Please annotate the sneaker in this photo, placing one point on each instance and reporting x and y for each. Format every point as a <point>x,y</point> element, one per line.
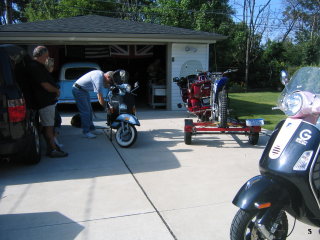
<point>57,154</point>
<point>89,135</point>
<point>59,145</point>
<point>96,132</point>
<point>49,150</point>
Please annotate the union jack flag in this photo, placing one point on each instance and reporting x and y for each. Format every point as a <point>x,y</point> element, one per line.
<point>96,52</point>
<point>131,51</point>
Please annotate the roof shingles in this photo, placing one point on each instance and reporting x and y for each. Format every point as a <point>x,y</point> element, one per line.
<point>98,24</point>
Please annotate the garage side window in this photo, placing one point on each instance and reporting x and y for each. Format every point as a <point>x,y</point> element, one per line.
<point>75,73</point>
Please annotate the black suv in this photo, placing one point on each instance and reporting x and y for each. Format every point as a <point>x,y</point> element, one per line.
<point>19,122</point>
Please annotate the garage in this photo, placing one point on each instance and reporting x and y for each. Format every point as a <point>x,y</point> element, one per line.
<point>152,54</point>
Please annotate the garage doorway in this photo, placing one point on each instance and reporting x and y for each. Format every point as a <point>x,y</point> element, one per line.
<point>146,64</point>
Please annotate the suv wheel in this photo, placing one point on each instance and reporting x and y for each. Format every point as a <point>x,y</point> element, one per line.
<point>33,155</point>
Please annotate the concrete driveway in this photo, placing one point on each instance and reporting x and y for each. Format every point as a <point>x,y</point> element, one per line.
<point>159,189</point>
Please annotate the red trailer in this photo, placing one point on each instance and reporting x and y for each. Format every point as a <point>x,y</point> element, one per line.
<point>251,128</point>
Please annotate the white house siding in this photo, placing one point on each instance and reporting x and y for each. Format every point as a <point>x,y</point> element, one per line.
<point>186,60</point>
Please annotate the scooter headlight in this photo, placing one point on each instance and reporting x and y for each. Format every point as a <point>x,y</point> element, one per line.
<point>125,87</point>
<point>303,161</point>
<point>128,88</point>
<point>292,104</point>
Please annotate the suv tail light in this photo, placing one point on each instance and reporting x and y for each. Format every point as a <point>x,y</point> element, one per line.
<point>16,110</point>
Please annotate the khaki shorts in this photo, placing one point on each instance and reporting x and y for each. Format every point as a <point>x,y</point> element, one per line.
<point>47,115</point>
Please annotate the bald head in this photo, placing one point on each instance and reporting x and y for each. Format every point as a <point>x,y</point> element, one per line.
<point>41,54</point>
<point>39,51</point>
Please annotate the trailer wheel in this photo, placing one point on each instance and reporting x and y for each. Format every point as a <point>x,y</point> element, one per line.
<point>253,138</point>
<point>187,138</point>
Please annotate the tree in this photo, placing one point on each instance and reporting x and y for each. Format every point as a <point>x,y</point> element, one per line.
<point>304,17</point>
<point>133,9</point>
<point>255,19</point>
<point>199,15</point>
<point>168,12</point>
<point>231,52</point>
<point>2,13</point>
<point>41,10</point>
<point>11,11</point>
<point>51,9</point>
<point>291,16</point>
<point>8,10</point>
<point>273,60</point>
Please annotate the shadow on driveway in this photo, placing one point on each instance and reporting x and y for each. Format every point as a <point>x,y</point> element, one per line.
<point>53,225</point>
<point>90,158</point>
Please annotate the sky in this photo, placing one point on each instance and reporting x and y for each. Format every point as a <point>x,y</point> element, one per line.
<point>273,29</point>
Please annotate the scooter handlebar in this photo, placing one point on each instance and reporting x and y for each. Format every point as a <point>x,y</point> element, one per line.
<point>223,73</point>
<point>230,71</point>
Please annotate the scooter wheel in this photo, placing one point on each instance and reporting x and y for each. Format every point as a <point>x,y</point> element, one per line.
<point>126,137</point>
<point>187,138</point>
<point>243,226</point>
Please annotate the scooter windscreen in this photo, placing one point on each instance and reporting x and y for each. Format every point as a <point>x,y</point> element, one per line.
<point>120,76</point>
<point>306,80</point>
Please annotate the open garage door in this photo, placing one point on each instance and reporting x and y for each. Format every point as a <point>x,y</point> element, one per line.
<point>145,64</point>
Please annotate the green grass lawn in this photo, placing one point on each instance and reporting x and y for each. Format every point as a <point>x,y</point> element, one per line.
<point>256,105</point>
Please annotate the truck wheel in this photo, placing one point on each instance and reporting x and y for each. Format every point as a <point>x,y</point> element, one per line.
<point>33,156</point>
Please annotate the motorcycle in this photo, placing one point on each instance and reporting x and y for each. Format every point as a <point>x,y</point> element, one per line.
<point>219,97</point>
<point>121,111</point>
<point>290,166</point>
<point>205,95</point>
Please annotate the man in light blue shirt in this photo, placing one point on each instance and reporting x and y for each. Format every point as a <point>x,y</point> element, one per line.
<point>93,81</point>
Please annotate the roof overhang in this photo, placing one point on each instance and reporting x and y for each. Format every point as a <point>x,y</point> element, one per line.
<point>94,29</point>
<point>100,38</point>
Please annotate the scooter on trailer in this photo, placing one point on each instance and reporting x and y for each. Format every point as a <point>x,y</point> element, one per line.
<point>205,95</point>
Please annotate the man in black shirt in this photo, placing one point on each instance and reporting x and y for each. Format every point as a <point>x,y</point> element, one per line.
<point>46,93</point>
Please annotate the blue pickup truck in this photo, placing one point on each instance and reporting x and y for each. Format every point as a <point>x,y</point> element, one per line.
<point>69,73</point>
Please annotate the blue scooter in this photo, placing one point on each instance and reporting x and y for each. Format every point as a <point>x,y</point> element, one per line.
<point>121,111</point>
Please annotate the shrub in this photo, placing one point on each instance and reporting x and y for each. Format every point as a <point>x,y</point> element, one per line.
<point>236,88</point>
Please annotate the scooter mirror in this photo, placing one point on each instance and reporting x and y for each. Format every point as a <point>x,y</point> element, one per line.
<point>284,77</point>
<point>176,79</point>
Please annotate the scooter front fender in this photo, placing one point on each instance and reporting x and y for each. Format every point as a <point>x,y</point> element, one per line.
<point>260,190</point>
<point>222,82</point>
<point>129,118</point>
